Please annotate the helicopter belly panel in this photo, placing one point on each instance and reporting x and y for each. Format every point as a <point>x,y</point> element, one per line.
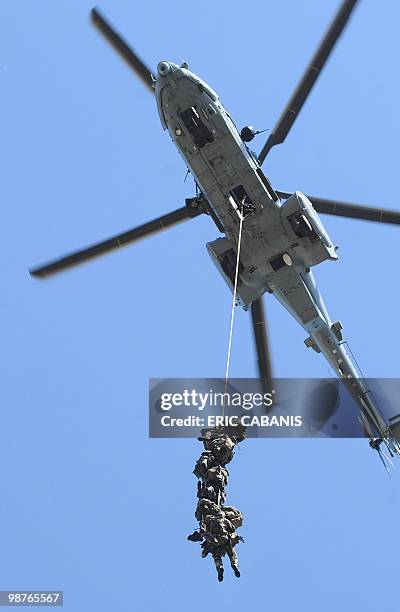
<point>212,148</point>
<point>289,288</point>
<point>251,284</point>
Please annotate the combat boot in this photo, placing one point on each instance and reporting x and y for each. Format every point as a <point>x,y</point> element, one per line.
<point>195,537</point>
<point>236,570</point>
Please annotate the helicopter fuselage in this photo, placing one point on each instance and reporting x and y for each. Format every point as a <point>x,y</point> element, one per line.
<point>280,241</point>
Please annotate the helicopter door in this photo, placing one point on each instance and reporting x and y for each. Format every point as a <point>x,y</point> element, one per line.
<point>240,200</point>
<point>199,132</point>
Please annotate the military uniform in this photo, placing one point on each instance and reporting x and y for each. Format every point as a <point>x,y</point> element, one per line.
<point>221,447</point>
<point>217,475</point>
<point>205,507</point>
<point>204,463</point>
<point>210,491</point>
<point>217,523</point>
<point>219,547</point>
<point>234,515</point>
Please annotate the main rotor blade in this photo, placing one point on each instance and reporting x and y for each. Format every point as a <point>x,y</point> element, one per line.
<point>352,211</point>
<point>120,240</point>
<point>122,47</point>
<point>306,84</point>
<point>261,340</point>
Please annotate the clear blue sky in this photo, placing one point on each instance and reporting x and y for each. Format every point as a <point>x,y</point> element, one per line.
<point>88,503</point>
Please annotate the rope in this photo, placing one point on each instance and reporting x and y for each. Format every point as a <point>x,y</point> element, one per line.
<point>233,307</point>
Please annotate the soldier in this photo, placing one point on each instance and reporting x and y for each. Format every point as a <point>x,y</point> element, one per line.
<point>204,507</point>
<point>236,432</point>
<point>217,475</point>
<point>221,539</point>
<point>213,524</point>
<point>210,491</point>
<point>234,515</point>
<point>219,547</point>
<point>204,463</point>
<point>217,523</point>
<point>222,442</point>
<point>222,448</point>
<point>212,521</point>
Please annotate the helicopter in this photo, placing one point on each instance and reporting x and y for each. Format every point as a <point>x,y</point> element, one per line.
<point>270,239</point>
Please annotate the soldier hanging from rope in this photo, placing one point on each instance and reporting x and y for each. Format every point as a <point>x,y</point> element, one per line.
<point>217,522</point>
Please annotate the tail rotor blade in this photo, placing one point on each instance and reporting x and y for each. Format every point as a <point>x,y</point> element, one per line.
<point>121,46</point>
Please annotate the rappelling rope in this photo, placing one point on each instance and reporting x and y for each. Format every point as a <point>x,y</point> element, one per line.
<point>233,306</point>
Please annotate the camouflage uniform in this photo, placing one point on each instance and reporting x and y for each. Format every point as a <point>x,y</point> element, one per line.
<point>217,475</point>
<point>204,463</point>
<point>217,523</point>
<point>234,515</point>
<point>219,547</point>
<point>222,448</point>
<point>205,507</point>
<point>210,491</point>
